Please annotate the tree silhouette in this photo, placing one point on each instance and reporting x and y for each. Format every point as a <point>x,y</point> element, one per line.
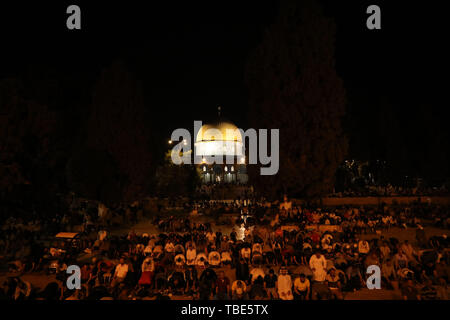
<point>176,180</point>
<point>94,174</point>
<point>27,143</point>
<point>117,126</point>
<point>293,85</point>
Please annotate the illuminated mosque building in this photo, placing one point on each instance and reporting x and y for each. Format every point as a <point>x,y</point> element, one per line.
<point>221,139</point>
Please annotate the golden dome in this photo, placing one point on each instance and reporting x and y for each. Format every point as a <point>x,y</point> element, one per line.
<point>223,131</point>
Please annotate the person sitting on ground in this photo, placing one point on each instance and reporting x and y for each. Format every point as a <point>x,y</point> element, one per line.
<point>257,291</point>
<point>176,283</point>
<point>255,273</point>
<point>214,259</point>
<point>334,284</point>
<point>302,288</point>
<point>355,280</point>
<point>158,252</point>
<point>363,247</point>
<point>239,290</point>
<point>225,258</point>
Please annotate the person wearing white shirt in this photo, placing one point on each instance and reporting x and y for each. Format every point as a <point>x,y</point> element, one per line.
<point>302,287</point>
<point>211,236</point>
<point>120,273</point>
<point>226,257</point>
<point>214,258</point>
<point>191,254</point>
<point>318,265</point>
<point>284,285</point>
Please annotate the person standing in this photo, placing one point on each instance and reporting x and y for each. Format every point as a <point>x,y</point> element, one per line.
<point>318,265</point>
<point>284,285</point>
<point>222,287</point>
<point>270,281</point>
<point>120,273</point>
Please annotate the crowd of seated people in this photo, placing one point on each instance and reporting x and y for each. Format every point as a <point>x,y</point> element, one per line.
<point>269,261</point>
<point>391,191</point>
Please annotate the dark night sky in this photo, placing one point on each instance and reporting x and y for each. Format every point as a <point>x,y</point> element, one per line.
<point>191,56</point>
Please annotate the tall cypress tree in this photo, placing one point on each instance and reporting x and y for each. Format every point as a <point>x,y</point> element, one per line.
<point>293,86</point>
<point>117,126</point>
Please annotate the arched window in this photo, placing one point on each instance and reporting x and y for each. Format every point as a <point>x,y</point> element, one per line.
<point>204,168</point>
<point>226,169</point>
<point>232,168</point>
